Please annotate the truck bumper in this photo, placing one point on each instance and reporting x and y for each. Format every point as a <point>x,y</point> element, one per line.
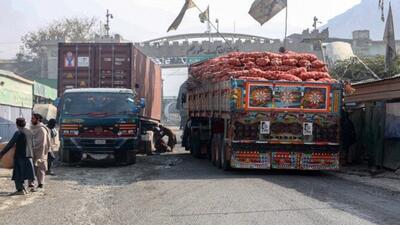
<point>248,159</point>
<point>99,145</point>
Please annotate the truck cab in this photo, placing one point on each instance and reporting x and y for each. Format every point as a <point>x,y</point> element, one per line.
<point>99,124</point>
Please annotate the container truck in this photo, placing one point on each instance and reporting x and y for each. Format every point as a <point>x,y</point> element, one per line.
<point>110,98</point>
<point>262,121</point>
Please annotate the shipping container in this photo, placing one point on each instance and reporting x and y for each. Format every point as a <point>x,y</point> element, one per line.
<point>110,65</point>
<point>148,77</point>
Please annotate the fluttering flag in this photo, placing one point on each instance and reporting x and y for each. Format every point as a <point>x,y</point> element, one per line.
<point>205,16</point>
<point>382,8</point>
<point>264,10</point>
<point>188,4</point>
<point>390,41</point>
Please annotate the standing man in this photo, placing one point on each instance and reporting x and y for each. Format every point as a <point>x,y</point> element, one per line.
<point>41,146</point>
<point>51,125</point>
<point>23,166</point>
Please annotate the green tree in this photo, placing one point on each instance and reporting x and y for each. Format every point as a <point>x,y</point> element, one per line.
<point>78,29</point>
<point>68,29</point>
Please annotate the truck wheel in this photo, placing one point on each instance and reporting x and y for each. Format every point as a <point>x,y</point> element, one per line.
<point>65,156</point>
<point>209,154</point>
<point>131,158</point>
<point>225,163</point>
<point>219,157</point>
<point>219,152</point>
<point>196,151</point>
<point>213,151</point>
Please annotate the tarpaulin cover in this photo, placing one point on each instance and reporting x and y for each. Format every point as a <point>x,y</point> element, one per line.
<point>48,111</point>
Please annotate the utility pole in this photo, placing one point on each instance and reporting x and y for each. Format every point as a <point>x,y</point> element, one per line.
<point>107,25</point>
<point>316,22</point>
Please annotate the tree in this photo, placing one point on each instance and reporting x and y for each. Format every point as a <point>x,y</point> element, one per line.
<point>353,70</point>
<point>68,29</point>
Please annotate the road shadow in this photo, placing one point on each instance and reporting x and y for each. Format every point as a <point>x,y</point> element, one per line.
<point>364,201</point>
<point>4,194</point>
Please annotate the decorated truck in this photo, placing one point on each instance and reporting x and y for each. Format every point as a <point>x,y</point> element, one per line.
<point>264,111</point>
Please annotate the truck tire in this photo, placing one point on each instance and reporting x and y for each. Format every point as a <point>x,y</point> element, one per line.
<point>65,155</point>
<point>132,160</point>
<point>219,157</point>
<point>195,147</point>
<point>218,151</point>
<point>196,151</point>
<point>213,151</point>
<point>125,158</point>
<point>225,163</point>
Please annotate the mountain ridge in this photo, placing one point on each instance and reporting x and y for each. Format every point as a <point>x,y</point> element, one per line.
<point>364,16</point>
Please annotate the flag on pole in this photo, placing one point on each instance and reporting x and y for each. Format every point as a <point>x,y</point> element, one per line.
<point>382,7</point>
<point>264,10</point>
<point>390,41</point>
<point>188,4</point>
<point>205,16</point>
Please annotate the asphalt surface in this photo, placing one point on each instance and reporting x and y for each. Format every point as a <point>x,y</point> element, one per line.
<point>178,189</point>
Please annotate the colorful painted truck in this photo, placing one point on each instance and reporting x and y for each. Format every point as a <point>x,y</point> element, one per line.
<point>255,123</point>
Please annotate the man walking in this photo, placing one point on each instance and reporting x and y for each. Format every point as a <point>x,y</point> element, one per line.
<point>41,145</point>
<point>23,166</point>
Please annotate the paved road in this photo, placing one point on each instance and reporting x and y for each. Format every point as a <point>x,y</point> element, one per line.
<point>177,189</point>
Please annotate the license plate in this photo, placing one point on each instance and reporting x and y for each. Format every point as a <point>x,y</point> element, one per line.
<point>100,142</point>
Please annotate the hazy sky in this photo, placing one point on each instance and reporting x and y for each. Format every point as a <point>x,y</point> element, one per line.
<point>140,20</point>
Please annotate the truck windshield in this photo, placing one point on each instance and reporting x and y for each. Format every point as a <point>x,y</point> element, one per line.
<point>76,104</point>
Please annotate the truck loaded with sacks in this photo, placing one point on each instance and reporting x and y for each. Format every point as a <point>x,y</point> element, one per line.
<point>264,110</point>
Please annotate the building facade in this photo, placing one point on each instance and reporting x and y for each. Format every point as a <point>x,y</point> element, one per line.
<point>16,100</point>
<point>375,111</point>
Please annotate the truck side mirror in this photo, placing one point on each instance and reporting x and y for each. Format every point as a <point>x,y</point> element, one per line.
<point>56,102</point>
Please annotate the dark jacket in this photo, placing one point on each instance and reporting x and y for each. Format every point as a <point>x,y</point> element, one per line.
<point>23,147</point>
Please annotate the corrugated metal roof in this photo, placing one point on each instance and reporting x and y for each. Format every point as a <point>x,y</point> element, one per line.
<point>369,81</point>
<point>15,76</point>
<point>379,90</point>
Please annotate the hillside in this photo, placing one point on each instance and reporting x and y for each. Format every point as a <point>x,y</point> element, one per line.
<point>364,16</point>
